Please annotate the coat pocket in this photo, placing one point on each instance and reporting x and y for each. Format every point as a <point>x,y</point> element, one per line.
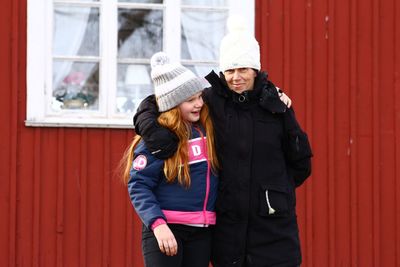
<point>274,201</point>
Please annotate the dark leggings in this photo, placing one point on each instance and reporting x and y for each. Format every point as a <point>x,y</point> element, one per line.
<point>194,247</point>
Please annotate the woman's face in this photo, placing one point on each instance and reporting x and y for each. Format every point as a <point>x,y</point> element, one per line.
<point>190,109</point>
<point>241,79</point>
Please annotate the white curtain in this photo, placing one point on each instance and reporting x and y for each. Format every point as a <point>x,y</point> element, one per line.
<point>203,31</point>
<point>69,30</point>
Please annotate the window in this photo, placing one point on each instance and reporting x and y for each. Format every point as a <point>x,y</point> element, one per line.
<point>88,60</point>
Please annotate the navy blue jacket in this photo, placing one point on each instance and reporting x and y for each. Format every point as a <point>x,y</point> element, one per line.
<point>153,197</point>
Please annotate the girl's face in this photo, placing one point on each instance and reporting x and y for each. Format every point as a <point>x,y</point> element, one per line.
<point>190,109</point>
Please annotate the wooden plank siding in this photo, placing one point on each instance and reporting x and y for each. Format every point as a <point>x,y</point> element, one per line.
<point>61,203</point>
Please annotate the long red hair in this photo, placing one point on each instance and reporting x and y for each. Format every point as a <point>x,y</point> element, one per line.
<point>177,166</point>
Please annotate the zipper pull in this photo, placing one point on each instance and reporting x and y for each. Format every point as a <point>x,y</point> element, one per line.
<point>270,209</point>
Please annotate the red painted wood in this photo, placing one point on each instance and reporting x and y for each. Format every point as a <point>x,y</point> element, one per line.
<point>62,204</point>
<point>60,196</point>
<point>396,128</point>
<point>340,40</point>
<point>48,200</point>
<point>8,164</point>
<point>384,84</point>
<point>353,134</point>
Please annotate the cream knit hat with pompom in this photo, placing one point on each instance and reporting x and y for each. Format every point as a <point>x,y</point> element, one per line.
<point>239,48</point>
<point>173,83</point>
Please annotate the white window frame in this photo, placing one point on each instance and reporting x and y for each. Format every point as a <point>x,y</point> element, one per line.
<point>39,59</point>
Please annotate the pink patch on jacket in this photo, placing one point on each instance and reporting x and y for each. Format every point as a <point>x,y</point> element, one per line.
<point>140,162</point>
<point>197,151</point>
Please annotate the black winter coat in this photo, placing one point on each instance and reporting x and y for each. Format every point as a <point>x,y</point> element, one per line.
<point>264,155</point>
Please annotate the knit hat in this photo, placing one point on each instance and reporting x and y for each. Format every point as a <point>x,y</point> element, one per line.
<point>239,48</point>
<point>173,83</point>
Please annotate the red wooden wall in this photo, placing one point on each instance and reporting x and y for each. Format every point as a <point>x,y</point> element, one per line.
<point>62,205</point>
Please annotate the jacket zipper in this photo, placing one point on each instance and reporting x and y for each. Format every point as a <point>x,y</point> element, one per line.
<point>207,178</point>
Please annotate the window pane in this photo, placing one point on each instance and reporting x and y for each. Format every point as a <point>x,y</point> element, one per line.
<point>76,31</point>
<point>205,2</point>
<point>142,1</point>
<point>195,26</point>
<point>75,85</point>
<point>134,84</point>
<point>202,71</point>
<point>140,33</point>
<point>83,0</point>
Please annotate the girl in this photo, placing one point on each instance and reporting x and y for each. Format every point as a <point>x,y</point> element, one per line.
<point>175,198</point>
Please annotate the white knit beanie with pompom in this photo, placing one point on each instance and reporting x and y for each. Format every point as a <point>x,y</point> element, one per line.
<point>239,48</point>
<point>173,83</point>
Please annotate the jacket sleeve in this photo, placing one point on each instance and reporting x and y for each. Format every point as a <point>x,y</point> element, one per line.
<point>140,188</point>
<point>161,142</point>
<point>297,148</point>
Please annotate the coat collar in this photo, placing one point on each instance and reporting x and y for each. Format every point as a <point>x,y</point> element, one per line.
<point>264,90</point>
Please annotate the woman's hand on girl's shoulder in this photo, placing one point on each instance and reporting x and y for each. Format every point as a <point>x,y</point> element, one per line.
<point>166,240</point>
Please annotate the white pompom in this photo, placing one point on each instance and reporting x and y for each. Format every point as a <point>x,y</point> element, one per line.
<point>236,23</point>
<point>158,59</point>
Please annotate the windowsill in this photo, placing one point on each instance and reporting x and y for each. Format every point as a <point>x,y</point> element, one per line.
<point>81,123</point>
